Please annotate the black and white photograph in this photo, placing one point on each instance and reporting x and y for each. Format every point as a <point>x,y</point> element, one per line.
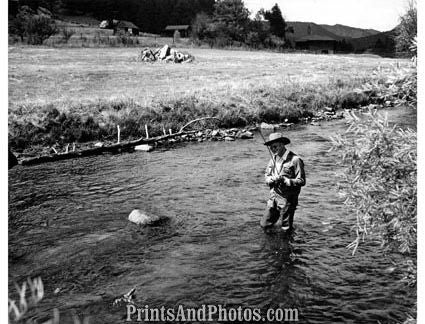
<point>211,161</point>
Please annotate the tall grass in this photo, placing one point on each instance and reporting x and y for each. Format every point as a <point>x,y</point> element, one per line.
<point>18,307</point>
<point>49,125</point>
<point>21,307</point>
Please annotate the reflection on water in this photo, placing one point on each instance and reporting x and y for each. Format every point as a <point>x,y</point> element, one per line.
<point>68,224</point>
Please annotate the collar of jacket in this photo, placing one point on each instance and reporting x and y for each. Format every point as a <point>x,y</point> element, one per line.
<point>284,156</point>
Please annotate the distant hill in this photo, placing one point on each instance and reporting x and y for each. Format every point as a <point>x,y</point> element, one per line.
<point>337,32</point>
<point>302,29</point>
<point>382,42</point>
<point>349,32</point>
<point>352,39</point>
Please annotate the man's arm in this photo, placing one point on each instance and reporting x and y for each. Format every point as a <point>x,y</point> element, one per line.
<point>299,179</point>
<point>268,175</point>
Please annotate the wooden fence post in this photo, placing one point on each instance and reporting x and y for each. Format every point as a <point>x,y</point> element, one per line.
<point>146,129</point>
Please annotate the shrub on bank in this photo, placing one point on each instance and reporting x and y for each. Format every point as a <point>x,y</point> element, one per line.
<point>382,171</point>
<point>381,187</point>
<point>381,179</point>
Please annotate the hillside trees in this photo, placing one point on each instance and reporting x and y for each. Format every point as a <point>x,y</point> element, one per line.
<point>150,15</point>
<point>230,20</point>
<point>40,28</point>
<point>52,5</point>
<point>230,23</point>
<point>406,31</point>
<point>17,25</point>
<point>259,31</point>
<point>34,27</point>
<point>201,27</point>
<point>277,23</point>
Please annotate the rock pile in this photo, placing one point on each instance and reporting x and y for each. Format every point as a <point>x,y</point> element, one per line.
<point>164,54</point>
<point>327,113</point>
<point>217,135</point>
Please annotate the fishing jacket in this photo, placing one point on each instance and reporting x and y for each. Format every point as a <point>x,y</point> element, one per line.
<point>290,166</point>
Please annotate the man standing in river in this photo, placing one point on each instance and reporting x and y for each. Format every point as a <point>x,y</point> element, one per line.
<point>285,176</point>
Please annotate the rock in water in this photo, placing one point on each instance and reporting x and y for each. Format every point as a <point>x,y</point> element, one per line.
<point>139,217</point>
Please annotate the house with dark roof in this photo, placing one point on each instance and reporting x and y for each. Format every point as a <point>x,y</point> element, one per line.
<point>184,30</point>
<point>127,27</point>
<point>317,43</point>
<point>311,37</point>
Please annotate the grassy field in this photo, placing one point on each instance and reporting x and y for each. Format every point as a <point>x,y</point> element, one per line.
<point>108,85</point>
<point>65,76</point>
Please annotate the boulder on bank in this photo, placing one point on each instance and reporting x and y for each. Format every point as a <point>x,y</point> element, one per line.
<point>264,125</point>
<point>215,132</point>
<point>144,147</point>
<point>245,135</point>
<point>286,124</point>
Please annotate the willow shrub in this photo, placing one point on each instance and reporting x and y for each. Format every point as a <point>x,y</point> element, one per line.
<point>381,184</point>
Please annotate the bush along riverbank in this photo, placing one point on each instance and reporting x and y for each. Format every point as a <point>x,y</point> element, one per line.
<point>35,130</point>
<point>381,183</point>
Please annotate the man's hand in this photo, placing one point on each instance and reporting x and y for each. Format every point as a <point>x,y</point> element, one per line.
<point>270,181</point>
<point>275,179</point>
<point>280,179</point>
<point>286,181</point>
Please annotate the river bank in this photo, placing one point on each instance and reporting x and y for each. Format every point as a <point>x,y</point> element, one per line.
<point>47,130</point>
<point>56,100</point>
<point>62,131</point>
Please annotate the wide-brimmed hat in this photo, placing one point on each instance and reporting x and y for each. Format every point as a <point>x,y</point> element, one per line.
<point>277,137</point>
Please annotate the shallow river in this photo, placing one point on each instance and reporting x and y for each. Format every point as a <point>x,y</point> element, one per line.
<point>68,224</point>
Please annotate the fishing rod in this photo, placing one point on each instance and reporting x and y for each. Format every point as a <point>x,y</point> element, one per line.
<point>268,148</point>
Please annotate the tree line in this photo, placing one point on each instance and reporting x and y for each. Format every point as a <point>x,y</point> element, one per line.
<point>230,24</point>
<point>216,22</point>
<point>150,16</point>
